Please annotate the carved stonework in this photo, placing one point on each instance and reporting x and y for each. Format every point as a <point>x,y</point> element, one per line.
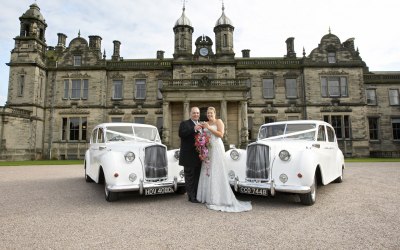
<point>250,111</point>
<point>267,74</point>
<point>269,110</point>
<point>204,70</point>
<point>74,111</point>
<point>334,72</point>
<point>117,75</point>
<point>139,111</point>
<point>336,109</point>
<point>159,112</point>
<point>140,75</point>
<point>291,74</point>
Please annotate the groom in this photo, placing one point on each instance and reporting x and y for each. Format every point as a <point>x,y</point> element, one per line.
<point>188,156</point>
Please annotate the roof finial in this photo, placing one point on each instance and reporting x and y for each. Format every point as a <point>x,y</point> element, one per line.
<point>329,29</point>
<point>79,33</point>
<point>223,6</point>
<point>184,2</point>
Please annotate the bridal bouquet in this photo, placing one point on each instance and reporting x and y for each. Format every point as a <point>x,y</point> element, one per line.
<point>202,143</point>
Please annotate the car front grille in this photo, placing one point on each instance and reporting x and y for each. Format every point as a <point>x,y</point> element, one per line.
<point>257,163</point>
<point>155,163</point>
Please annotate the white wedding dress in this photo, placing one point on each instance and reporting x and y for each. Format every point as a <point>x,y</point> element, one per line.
<point>214,189</point>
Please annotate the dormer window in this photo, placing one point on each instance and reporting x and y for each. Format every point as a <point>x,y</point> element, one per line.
<point>331,57</point>
<point>77,60</point>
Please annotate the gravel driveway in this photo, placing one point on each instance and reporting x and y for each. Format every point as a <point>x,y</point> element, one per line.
<point>52,207</point>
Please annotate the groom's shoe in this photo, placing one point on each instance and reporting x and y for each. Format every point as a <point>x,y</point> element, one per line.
<point>194,201</point>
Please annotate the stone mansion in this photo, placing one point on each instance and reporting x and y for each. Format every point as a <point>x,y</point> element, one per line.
<point>57,94</point>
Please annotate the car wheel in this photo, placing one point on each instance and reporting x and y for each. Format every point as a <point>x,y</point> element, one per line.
<point>110,196</point>
<point>87,178</point>
<point>340,178</point>
<point>180,190</point>
<point>310,197</point>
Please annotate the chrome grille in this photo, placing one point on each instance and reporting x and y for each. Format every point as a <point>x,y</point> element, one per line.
<point>257,163</point>
<point>155,162</point>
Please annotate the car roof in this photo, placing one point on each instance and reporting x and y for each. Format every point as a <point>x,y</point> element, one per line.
<point>123,124</point>
<point>297,122</point>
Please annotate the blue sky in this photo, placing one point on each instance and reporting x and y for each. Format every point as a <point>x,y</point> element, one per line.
<point>145,26</point>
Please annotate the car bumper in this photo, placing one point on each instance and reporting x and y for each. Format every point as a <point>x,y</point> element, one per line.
<point>271,186</point>
<point>142,186</point>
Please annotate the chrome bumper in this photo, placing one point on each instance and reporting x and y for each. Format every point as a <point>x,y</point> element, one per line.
<point>271,186</point>
<point>145,185</point>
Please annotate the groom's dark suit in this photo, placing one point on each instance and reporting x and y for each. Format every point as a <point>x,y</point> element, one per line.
<point>189,158</point>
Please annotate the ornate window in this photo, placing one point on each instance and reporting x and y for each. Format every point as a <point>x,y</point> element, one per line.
<point>21,85</point>
<point>396,128</point>
<point>74,129</point>
<point>116,119</point>
<point>160,85</point>
<point>341,125</point>
<point>371,97</point>
<point>331,57</point>
<point>268,88</point>
<point>77,60</point>
<point>334,86</point>
<point>76,89</point>
<point>393,96</point>
<point>140,120</point>
<point>117,90</point>
<point>140,89</point>
<point>291,88</point>
<point>373,126</point>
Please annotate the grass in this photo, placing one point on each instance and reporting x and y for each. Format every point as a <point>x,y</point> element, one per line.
<point>41,162</point>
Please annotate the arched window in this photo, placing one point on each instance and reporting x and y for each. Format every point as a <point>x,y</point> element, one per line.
<point>225,40</point>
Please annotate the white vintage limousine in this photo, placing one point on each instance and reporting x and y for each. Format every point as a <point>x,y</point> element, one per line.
<point>130,157</point>
<point>290,156</point>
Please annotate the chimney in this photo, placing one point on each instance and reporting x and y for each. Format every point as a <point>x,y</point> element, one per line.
<point>160,54</point>
<point>95,42</point>
<point>62,38</point>
<point>246,53</point>
<point>116,55</point>
<point>290,48</point>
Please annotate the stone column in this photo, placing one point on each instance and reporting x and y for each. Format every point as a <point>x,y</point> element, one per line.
<point>166,124</point>
<point>244,130</point>
<point>224,118</point>
<point>186,110</point>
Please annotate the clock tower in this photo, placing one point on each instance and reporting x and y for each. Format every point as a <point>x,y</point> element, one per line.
<point>203,47</point>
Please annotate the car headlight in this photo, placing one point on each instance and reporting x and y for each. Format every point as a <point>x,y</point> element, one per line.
<point>235,155</point>
<point>231,174</point>
<point>129,157</point>
<point>284,155</point>
<point>182,173</point>
<point>176,155</point>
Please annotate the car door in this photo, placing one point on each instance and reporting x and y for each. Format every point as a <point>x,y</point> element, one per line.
<point>96,149</point>
<point>324,152</point>
<point>333,148</point>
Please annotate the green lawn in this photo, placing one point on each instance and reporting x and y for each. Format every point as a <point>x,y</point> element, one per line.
<point>41,162</point>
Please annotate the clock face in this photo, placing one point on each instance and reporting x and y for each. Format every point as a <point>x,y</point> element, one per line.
<point>203,51</point>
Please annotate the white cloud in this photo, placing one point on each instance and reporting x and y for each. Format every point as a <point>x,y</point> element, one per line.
<point>145,26</point>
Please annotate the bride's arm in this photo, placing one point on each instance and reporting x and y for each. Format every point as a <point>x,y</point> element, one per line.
<point>219,132</point>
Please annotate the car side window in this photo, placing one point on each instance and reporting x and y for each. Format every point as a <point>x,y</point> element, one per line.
<point>100,136</point>
<point>94,136</point>
<point>331,134</point>
<point>321,133</point>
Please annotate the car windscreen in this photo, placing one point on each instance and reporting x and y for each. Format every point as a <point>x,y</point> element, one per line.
<point>130,133</point>
<point>288,131</point>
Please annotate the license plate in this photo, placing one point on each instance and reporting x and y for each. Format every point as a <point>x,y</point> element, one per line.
<point>255,191</point>
<point>160,190</point>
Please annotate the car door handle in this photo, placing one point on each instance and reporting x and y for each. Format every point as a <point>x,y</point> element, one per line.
<point>102,147</point>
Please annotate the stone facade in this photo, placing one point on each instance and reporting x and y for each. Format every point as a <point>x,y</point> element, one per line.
<point>57,94</point>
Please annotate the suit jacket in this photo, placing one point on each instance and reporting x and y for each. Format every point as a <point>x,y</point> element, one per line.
<point>188,156</point>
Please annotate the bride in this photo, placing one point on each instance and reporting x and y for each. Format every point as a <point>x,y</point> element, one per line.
<point>214,188</point>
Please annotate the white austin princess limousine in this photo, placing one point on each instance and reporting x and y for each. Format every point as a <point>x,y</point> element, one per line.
<point>291,156</point>
<point>130,157</point>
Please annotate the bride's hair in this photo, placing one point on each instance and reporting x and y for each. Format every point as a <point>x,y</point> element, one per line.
<point>213,109</point>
